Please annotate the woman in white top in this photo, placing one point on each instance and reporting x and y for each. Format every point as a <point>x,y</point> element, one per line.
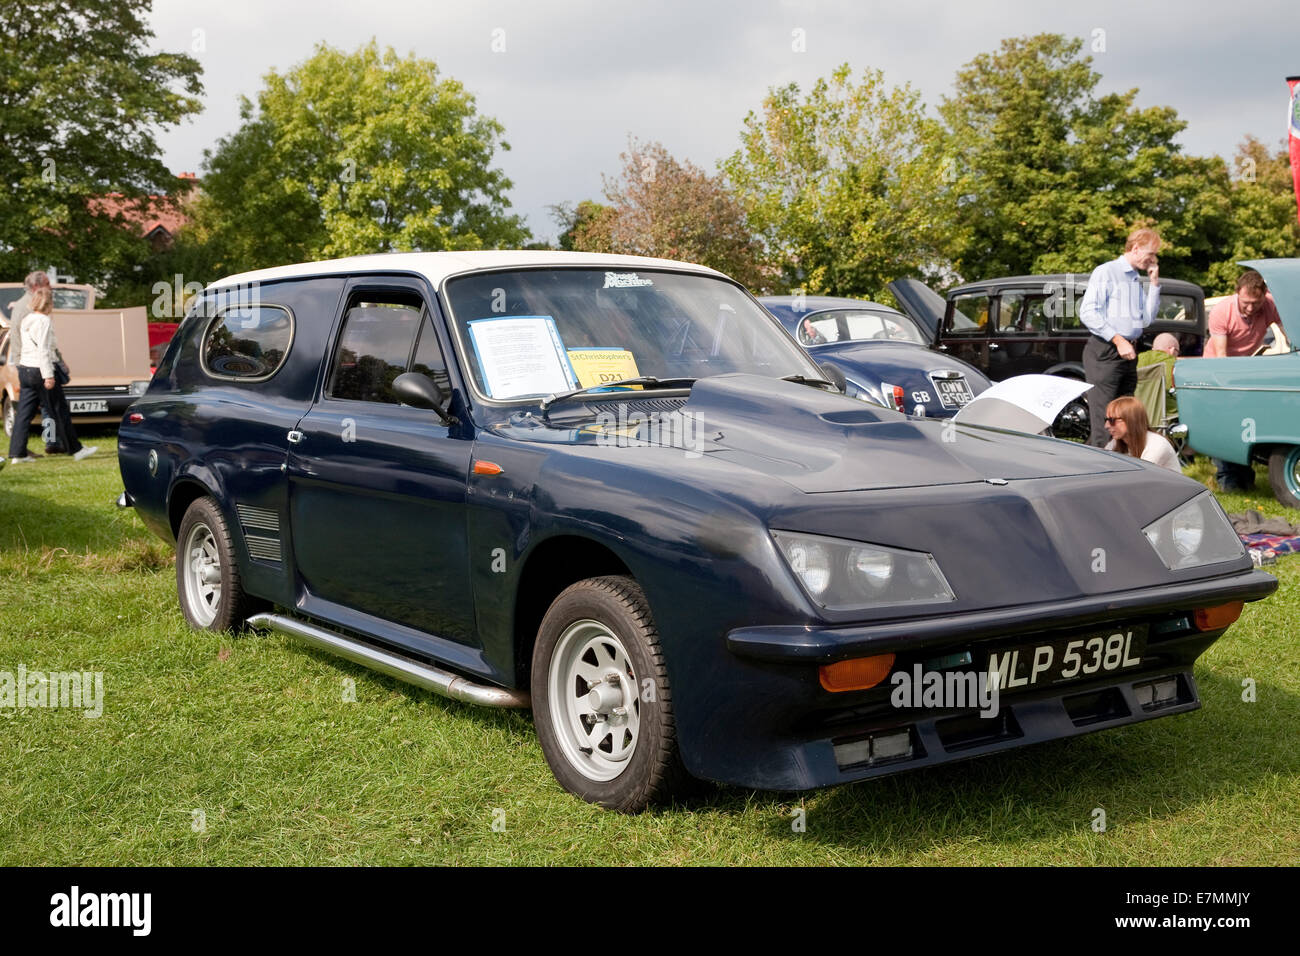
<point>1131,434</point>
<point>37,378</point>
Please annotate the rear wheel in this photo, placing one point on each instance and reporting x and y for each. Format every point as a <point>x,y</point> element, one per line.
<point>601,700</point>
<point>1284,474</point>
<point>207,574</point>
<point>10,414</point>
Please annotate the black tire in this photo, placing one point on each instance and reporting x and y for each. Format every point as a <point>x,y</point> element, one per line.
<point>204,528</point>
<point>1284,474</point>
<point>610,617</point>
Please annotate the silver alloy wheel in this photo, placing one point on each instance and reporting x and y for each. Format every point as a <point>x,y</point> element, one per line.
<point>11,416</point>
<point>595,708</point>
<point>202,573</point>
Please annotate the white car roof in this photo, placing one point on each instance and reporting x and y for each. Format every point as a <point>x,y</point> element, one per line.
<point>437,266</point>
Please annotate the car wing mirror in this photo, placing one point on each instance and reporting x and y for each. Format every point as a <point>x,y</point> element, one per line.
<point>420,391</point>
<point>834,375</point>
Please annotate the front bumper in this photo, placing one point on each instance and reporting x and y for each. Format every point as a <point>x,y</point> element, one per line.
<point>786,732</point>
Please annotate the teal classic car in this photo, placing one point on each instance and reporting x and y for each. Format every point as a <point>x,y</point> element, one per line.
<point>1247,408</point>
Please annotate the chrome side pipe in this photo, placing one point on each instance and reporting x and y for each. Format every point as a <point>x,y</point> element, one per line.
<point>420,674</point>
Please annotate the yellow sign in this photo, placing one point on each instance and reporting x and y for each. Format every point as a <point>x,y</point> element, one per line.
<point>595,367</point>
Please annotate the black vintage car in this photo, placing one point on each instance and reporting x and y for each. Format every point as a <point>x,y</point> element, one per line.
<point>1022,325</point>
<point>616,490</point>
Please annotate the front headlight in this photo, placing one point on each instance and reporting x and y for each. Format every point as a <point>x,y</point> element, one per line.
<point>139,387</point>
<point>1194,534</point>
<point>840,574</point>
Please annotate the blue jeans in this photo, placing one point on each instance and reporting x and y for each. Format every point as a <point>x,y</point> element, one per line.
<point>1232,476</point>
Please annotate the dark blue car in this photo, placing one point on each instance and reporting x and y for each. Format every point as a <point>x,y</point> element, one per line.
<point>884,356</point>
<point>617,491</point>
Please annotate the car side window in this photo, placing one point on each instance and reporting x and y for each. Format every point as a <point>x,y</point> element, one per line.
<point>1177,308</point>
<point>1020,316</point>
<point>428,356</point>
<point>375,347</point>
<point>248,341</point>
<point>968,315</point>
<point>819,330</point>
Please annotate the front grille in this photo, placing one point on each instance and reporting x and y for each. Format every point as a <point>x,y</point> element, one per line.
<point>96,391</point>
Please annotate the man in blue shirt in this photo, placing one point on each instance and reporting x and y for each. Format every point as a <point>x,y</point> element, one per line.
<point>1116,309</point>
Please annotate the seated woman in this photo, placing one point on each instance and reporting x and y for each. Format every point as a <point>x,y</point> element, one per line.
<point>1130,434</point>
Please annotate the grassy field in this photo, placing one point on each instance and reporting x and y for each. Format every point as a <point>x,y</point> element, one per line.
<point>220,750</point>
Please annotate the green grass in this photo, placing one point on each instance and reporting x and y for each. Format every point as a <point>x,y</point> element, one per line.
<point>255,732</point>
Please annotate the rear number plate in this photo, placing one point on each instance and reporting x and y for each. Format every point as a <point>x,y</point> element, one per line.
<point>88,405</point>
<point>953,392</point>
<point>1067,659</point>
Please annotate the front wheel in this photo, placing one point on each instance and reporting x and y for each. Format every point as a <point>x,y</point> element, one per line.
<point>10,414</point>
<point>207,574</point>
<point>1284,474</point>
<point>601,699</point>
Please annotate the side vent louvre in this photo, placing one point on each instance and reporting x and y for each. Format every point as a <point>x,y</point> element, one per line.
<point>265,546</point>
<point>263,549</point>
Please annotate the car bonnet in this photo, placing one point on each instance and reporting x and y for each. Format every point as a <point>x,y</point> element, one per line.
<point>820,441</point>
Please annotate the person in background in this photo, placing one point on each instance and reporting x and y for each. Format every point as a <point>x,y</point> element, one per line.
<point>1239,323</point>
<point>1130,434</point>
<point>19,311</point>
<point>1116,309</point>
<point>1164,351</point>
<point>36,376</point>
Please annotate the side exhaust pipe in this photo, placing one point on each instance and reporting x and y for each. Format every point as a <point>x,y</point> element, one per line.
<point>422,675</point>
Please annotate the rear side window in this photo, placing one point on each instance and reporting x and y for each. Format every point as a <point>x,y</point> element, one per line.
<point>968,315</point>
<point>375,347</point>
<point>248,341</point>
<point>1177,308</point>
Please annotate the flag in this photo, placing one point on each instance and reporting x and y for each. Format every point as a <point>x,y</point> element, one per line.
<point>1294,83</point>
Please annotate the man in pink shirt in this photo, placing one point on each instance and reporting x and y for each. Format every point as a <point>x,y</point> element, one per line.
<point>1238,323</point>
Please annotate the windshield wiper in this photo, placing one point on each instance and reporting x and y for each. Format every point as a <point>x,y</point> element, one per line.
<point>649,381</point>
<point>805,380</point>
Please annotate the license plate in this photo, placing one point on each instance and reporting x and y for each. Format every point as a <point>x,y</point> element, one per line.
<point>953,392</point>
<point>87,405</point>
<point>1068,658</point>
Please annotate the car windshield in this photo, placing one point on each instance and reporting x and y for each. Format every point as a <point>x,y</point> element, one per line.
<point>538,332</point>
<point>858,326</point>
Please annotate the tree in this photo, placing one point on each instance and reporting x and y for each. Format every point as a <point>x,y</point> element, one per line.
<point>846,187</point>
<point>571,218</point>
<point>1263,213</point>
<point>660,206</point>
<point>81,98</point>
<point>1052,176</point>
<point>351,153</point>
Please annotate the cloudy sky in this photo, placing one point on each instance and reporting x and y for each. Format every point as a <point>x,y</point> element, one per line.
<point>576,78</point>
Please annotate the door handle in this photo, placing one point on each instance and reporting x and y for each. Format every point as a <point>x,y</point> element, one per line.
<point>993,346</point>
<point>294,436</point>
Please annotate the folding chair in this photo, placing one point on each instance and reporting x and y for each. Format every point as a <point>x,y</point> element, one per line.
<point>1153,387</point>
